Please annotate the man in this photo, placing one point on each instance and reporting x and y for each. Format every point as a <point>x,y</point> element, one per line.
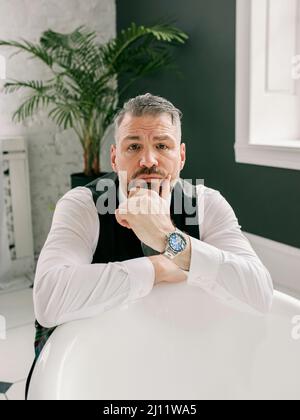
<point>92,262</point>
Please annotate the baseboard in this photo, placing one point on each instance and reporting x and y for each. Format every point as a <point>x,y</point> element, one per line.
<point>282,261</point>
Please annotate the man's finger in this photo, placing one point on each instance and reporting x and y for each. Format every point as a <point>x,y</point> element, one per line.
<point>136,186</point>
<point>166,187</point>
<point>155,185</point>
<point>121,220</point>
<point>134,192</point>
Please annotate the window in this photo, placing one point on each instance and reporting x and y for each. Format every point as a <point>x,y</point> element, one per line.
<point>267,83</point>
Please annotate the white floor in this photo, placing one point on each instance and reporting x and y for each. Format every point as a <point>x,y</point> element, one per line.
<point>16,342</point>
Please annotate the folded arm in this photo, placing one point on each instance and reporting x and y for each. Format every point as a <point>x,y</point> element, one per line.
<point>66,285</point>
<point>223,263</point>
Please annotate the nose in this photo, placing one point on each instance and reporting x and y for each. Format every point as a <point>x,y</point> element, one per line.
<point>148,159</point>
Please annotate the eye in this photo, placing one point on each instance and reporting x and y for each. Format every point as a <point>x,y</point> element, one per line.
<point>133,147</point>
<point>164,147</point>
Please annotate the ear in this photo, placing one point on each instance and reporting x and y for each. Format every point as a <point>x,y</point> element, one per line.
<point>182,155</point>
<point>113,156</point>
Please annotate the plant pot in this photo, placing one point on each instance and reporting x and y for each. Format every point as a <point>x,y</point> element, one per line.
<point>80,179</point>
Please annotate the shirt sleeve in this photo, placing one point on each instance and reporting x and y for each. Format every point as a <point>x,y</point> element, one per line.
<point>223,263</point>
<point>66,285</point>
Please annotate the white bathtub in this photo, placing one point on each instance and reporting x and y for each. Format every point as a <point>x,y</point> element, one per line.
<point>176,343</point>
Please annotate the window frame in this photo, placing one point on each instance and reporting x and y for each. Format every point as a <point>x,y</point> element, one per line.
<point>284,154</point>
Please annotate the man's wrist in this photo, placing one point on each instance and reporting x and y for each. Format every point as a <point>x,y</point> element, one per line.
<point>163,237</point>
<point>183,260</point>
<point>155,260</point>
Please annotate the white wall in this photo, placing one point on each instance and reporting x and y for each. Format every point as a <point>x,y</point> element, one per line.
<point>53,155</point>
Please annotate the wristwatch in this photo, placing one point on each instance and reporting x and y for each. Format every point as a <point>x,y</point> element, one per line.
<point>176,244</point>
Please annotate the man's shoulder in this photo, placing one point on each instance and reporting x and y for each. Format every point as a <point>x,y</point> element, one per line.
<point>77,195</point>
<point>91,189</point>
<point>199,189</point>
<point>111,177</point>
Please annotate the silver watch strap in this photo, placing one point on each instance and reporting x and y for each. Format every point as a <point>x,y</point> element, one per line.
<point>169,254</point>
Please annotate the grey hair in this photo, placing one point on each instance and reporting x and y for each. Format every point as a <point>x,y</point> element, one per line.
<point>148,104</point>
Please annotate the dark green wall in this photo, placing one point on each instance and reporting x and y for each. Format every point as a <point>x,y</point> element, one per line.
<point>266,200</point>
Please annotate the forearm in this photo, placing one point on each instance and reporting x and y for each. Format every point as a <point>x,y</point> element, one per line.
<point>67,293</point>
<point>238,279</point>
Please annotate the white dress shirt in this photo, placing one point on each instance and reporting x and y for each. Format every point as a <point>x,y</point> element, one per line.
<point>68,287</point>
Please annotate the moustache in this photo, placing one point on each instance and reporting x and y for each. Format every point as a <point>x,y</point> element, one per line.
<point>149,172</point>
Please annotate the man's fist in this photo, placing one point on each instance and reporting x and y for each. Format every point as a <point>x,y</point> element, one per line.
<point>148,214</point>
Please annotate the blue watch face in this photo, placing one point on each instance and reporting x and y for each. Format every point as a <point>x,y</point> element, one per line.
<point>177,242</point>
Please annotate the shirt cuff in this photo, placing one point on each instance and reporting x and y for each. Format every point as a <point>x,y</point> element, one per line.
<point>141,276</point>
<point>205,263</point>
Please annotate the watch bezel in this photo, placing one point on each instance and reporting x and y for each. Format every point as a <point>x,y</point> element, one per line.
<point>176,233</point>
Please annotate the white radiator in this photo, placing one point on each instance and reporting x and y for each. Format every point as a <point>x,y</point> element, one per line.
<point>16,196</point>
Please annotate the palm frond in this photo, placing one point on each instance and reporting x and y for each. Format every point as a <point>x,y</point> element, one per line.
<point>167,33</point>
<point>114,49</point>
<point>77,49</point>
<point>150,56</point>
<point>65,115</point>
<point>34,50</point>
<point>31,106</point>
<point>77,39</point>
<point>35,85</point>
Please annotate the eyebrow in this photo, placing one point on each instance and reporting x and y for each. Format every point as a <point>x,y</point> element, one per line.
<point>156,138</point>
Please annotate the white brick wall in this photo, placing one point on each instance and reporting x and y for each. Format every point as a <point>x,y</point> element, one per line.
<point>53,155</point>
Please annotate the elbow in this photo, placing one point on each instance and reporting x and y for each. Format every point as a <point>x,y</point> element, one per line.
<point>44,320</point>
<point>43,317</point>
<point>43,310</point>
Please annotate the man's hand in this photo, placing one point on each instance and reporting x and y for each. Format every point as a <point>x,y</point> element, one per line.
<point>147,213</point>
<point>166,270</point>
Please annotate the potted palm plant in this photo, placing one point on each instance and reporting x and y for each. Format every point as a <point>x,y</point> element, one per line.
<point>82,93</point>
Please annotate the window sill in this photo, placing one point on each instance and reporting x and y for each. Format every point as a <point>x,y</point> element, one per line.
<point>284,155</point>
